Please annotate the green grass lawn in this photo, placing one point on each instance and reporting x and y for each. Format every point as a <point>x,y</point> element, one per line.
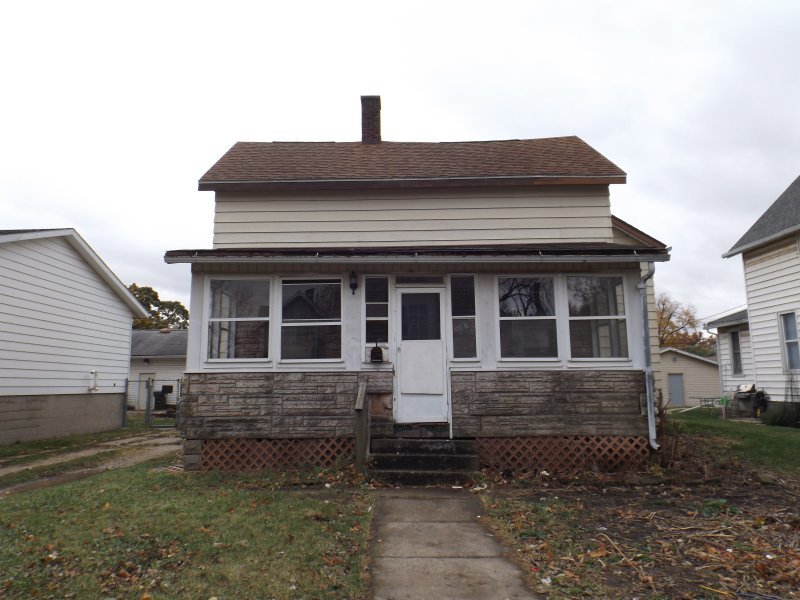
<point>774,447</point>
<point>144,533</point>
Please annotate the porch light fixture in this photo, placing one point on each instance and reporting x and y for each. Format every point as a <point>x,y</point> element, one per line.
<point>353,282</point>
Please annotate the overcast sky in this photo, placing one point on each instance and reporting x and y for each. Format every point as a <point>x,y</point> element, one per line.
<point>111,112</point>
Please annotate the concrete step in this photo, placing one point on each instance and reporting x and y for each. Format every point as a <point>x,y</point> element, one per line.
<point>422,477</point>
<point>421,446</point>
<point>422,430</point>
<point>427,462</point>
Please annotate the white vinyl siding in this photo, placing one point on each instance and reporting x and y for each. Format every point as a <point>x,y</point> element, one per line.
<point>547,214</point>
<point>58,321</point>
<point>772,276</point>
<point>700,378</point>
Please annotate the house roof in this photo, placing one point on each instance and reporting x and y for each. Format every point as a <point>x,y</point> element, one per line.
<point>87,253</point>
<point>151,343</point>
<point>688,355</point>
<point>780,219</point>
<point>334,165</point>
<point>566,252</point>
<point>736,318</point>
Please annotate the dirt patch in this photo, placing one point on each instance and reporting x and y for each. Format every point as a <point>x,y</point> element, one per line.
<point>700,529</point>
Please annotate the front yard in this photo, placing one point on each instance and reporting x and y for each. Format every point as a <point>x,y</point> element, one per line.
<point>147,532</point>
<point>712,524</point>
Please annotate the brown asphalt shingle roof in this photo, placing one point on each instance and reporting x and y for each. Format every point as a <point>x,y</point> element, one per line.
<point>279,164</point>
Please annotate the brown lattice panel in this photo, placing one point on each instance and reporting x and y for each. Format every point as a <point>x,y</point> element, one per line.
<point>559,454</point>
<point>243,454</point>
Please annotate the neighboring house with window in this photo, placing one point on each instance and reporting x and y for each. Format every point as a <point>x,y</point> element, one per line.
<point>65,337</point>
<point>734,351</point>
<point>482,290</point>
<point>689,377</point>
<point>158,356</point>
<point>771,260</point>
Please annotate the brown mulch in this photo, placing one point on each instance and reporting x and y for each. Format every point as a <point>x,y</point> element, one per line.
<point>699,529</point>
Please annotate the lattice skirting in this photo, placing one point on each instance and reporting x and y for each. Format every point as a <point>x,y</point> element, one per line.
<point>559,454</point>
<point>244,454</point>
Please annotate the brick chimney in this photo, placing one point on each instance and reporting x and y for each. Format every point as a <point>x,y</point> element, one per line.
<point>370,119</point>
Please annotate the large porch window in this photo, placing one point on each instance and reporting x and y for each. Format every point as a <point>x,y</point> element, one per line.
<point>311,327</point>
<point>238,325</point>
<point>527,317</point>
<point>597,326</point>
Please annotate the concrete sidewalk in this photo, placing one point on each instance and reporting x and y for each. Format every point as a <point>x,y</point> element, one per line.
<point>430,543</point>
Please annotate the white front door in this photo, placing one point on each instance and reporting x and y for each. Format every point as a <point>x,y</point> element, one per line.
<point>421,357</point>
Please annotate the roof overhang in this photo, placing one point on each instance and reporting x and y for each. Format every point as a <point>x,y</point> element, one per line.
<point>688,355</point>
<point>762,242</point>
<point>530,254</point>
<point>405,183</point>
<point>90,256</point>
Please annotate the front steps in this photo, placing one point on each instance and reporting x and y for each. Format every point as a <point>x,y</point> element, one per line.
<point>423,460</point>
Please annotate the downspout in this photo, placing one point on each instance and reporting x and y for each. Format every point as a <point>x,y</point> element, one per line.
<point>648,359</point>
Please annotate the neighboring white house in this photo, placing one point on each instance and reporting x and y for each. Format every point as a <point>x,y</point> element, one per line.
<point>65,336</point>
<point>689,377</point>
<point>157,355</point>
<point>771,260</point>
<point>734,351</point>
<point>480,290</point>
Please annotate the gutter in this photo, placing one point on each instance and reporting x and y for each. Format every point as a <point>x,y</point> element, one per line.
<point>542,258</point>
<point>648,359</point>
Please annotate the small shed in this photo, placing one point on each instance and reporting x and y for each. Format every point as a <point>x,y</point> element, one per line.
<point>689,377</point>
<point>157,355</point>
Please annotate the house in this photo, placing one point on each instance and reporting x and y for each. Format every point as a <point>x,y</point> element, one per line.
<point>157,356</point>
<point>482,291</point>
<point>734,351</point>
<point>65,337</point>
<point>769,251</point>
<point>690,377</point>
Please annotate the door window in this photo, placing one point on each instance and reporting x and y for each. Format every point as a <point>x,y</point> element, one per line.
<point>420,316</point>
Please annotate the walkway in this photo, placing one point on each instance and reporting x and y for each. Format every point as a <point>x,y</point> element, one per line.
<point>430,543</point>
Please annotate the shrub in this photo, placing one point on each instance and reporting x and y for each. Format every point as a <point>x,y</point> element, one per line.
<point>783,414</point>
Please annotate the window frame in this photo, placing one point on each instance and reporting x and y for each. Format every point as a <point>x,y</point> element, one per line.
<point>624,317</point>
<point>787,368</point>
<point>736,349</point>
<point>451,317</point>
<point>555,318</point>
<point>208,319</point>
<point>282,323</point>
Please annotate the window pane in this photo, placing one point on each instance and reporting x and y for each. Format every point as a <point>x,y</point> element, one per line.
<point>598,338</point>
<point>789,326</point>
<point>238,339</point>
<point>595,296</point>
<point>376,289</point>
<point>736,352</point>
<point>378,310</point>
<point>462,296</point>
<point>312,301</point>
<point>464,338</point>
<point>311,341</point>
<point>239,299</point>
<point>793,355</point>
<point>529,297</point>
<point>420,317</point>
<point>420,279</point>
<point>377,332</point>
<point>528,339</point>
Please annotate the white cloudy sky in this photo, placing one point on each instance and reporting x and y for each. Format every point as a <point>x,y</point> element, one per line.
<point>110,112</point>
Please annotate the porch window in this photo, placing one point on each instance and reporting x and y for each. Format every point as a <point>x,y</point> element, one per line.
<point>238,325</point>
<point>791,345</point>
<point>462,302</point>
<point>311,327</point>
<point>376,300</point>
<point>527,317</point>
<point>597,326</point>
<point>736,353</point>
